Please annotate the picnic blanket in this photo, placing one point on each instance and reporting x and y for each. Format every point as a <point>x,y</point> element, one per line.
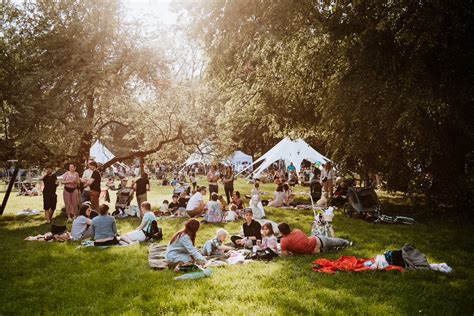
<point>157,258</point>
<point>350,264</point>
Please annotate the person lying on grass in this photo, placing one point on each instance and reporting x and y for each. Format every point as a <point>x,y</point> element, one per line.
<point>215,245</point>
<point>181,247</point>
<point>104,228</point>
<point>249,233</point>
<point>296,242</point>
<point>81,224</point>
<point>140,234</point>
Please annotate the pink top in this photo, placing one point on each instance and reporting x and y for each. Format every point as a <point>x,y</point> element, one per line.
<point>67,177</point>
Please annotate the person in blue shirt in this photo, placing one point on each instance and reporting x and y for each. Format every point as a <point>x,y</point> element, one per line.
<point>181,248</point>
<point>140,234</point>
<point>291,168</point>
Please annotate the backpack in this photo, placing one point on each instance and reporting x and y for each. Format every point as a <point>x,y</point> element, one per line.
<point>414,259</point>
<point>155,231</point>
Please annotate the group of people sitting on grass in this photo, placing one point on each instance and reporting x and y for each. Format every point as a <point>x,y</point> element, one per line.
<point>101,227</point>
<point>214,211</point>
<point>253,235</point>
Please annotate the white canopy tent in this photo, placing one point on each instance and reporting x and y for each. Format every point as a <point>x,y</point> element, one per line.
<point>239,160</point>
<point>204,154</point>
<point>100,153</point>
<point>290,151</point>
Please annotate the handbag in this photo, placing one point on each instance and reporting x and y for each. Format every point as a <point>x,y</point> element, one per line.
<point>70,190</point>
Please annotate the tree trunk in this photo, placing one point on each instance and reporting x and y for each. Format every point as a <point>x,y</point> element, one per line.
<point>86,140</point>
<point>9,190</point>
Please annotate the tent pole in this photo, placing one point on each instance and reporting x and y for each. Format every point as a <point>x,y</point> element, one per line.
<point>9,190</point>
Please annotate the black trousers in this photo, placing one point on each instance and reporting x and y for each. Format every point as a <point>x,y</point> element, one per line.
<point>228,192</point>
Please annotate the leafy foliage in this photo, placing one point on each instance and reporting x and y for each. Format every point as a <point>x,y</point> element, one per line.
<point>386,86</point>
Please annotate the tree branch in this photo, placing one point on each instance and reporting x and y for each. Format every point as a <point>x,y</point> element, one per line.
<point>144,153</point>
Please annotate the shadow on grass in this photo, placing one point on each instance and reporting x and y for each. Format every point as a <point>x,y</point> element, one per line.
<point>44,278</point>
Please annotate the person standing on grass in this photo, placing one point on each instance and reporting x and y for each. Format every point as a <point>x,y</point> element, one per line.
<point>141,187</point>
<point>86,176</point>
<point>212,178</point>
<point>104,228</point>
<point>71,180</point>
<point>140,234</point>
<point>196,206</point>
<point>296,242</point>
<point>327,179</point>
<point>181,248</point>
<point>50,182</point>
<point>228,182</point>
<point>250,232</point>
<point>94,184</point>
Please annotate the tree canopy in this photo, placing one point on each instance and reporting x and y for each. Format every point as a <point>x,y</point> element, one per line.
<point>385,87</point>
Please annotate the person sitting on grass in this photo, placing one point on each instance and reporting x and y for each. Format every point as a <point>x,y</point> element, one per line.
<point>223,203</point>
<point>279,197</point>
<point>250,232</point>
<point>237,201</point>
<point>181,247</point>
<point>174,205</point>
<point>58,226</point>
<point>81,225</point>
<point>140,234</point>
<point>269,241</point>
<point>230,215</point>
<point>104,228</point>
<point>213,213</point>
<point>296,242</point>
<point>196,206</point>
<point>215,245</point>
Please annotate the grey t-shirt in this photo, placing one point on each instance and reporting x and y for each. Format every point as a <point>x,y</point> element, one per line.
<point>79,227</point>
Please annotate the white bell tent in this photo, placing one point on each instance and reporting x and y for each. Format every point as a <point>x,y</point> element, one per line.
<point>290,151</point>
<point>100,153</point>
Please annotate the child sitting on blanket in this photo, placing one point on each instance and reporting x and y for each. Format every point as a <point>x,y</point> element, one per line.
<point>268,238</point>
<point>215,245</point>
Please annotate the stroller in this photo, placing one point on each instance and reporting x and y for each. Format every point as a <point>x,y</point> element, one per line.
<point>124,198</point>
<point>364,202</point>
<point>322,224</point>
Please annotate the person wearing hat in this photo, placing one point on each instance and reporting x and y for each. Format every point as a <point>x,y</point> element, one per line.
<point>250,232</point>
<point>94,184</point>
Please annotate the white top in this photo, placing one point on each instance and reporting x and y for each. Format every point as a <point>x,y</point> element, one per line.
<point>329,175</point>
<point>194,201</point>
<point>86,175</point>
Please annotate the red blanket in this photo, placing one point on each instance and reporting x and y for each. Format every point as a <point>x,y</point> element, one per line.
<point>346,264</point>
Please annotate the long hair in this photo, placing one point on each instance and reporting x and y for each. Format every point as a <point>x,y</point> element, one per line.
<point>190,228</point>
<point>270,228</point>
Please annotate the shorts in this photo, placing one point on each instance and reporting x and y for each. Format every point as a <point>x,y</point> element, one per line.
<point>49,202</point>
<point>136,235</point>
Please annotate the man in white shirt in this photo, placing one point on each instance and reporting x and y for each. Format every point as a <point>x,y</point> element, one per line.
<point>196,206</point>
<point>86,176</point>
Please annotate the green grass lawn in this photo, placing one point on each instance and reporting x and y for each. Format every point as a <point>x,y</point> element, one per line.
<point>58,278</point>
